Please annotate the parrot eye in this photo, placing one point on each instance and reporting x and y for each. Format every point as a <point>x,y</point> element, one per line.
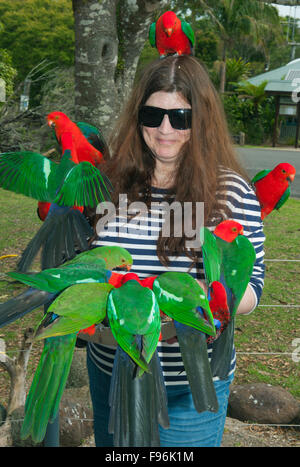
<point>234,229</point>
<point>283,171</point>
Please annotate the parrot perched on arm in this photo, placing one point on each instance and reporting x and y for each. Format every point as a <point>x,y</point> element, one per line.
<point>138,400</point>
<point>181,297</point>
<point>89,266</point>
<point>272,187</point>
<point>70,183</point>
<point>170,35</point>
<point>228,257</point>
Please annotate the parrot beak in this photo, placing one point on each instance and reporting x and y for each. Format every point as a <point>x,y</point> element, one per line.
<point>51,123</point>
<point>291,177</point>
<point>169,32</point>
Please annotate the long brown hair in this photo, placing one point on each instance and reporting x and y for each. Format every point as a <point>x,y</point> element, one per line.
<point>131,165</point>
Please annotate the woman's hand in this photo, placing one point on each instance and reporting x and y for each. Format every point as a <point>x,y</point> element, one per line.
<point>203,286</point>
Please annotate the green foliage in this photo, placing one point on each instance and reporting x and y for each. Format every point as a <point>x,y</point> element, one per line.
<point>7,71</point>
<point>236,70</point>
<point>256,121</point>
<point>34,30</point>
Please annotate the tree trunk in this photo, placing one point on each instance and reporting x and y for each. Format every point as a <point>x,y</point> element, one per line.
<point>109,37</point>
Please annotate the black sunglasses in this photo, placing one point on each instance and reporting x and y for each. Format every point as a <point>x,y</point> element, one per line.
<point>180,119</point>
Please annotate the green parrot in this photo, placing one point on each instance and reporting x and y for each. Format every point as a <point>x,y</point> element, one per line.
<point>228,257</point>
<point>94,265</point>
<point>180,296</point>
<point>76,308</point>
<point>138,400</point>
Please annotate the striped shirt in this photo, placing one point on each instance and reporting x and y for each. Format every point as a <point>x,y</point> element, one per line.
<point>139,236</point>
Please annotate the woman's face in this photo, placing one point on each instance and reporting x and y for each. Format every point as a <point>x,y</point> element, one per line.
<point>164,141</point>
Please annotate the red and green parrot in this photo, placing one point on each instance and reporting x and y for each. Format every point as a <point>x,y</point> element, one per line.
<point>228,257</point>
<point>84,137</point>
<point>89,145</point>
<point>181,297</point>
<point>138,400</point>
<point>272,187</point>
<point>72,182</point>
<point>170,35</point>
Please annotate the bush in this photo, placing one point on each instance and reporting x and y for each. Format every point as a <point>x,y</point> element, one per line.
<point>256,121</point>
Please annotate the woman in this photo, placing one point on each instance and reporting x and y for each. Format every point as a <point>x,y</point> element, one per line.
<point>172,144</point>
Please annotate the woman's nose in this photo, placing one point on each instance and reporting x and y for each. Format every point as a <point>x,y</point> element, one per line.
<point>165,126</point>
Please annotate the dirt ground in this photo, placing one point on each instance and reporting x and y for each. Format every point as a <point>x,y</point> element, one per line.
<point>239,434</point>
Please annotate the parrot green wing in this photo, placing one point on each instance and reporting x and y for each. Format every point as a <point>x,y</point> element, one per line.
<point>211,255</point>
<point>93,135</point>
<point>152,34</point>
<point>238,258</point>
<point>188,31</point>
<point>78,307</point>
<point>47,387</point>
<point>84,185</point>
<point>132,310</point>
<point>55,280</point>
<point>179,295</point>
<point>260,175</point>
<point>283,198</point>
<point>28,173</point>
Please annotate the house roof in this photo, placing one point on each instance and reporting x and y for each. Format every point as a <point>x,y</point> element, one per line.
<point>282,80</point>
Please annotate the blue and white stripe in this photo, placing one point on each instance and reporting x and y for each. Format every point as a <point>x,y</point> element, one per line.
<point>142,245</point>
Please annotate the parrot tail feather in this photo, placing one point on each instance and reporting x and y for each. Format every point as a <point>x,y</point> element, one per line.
<point>193,349</point>
<point>59,237</point>
<point>45,393</point>
<point>222,352</point>
<point>19,306</point>
<point>136,404</point>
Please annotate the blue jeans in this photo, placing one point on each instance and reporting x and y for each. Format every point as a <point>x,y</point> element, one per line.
<point>188,428</point>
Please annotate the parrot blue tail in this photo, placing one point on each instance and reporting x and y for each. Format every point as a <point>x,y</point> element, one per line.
<point>64,232</point>
<point>19,306</point>
<point>137,404</point>
<point>193,349</point>
<point>222,352</point>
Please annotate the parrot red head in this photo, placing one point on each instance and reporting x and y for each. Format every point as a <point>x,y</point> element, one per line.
<point>56,119</point>
<point>60,122</point>
<point>228,230</point>
<point>170,22</point>
<point>284,171</point>
<point>218,295</point>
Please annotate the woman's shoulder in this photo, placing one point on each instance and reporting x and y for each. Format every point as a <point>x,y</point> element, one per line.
<point>229,178</point>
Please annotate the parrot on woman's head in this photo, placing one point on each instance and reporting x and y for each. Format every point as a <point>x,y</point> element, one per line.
<point>170,35</point>
<point>272,187</point>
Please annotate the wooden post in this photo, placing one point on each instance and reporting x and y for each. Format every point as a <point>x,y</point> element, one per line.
<point>277,106</point>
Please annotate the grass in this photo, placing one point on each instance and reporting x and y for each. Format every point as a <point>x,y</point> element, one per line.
<point>264,339</point>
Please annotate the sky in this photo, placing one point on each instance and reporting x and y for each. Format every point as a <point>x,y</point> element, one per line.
<point>287,10</point>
